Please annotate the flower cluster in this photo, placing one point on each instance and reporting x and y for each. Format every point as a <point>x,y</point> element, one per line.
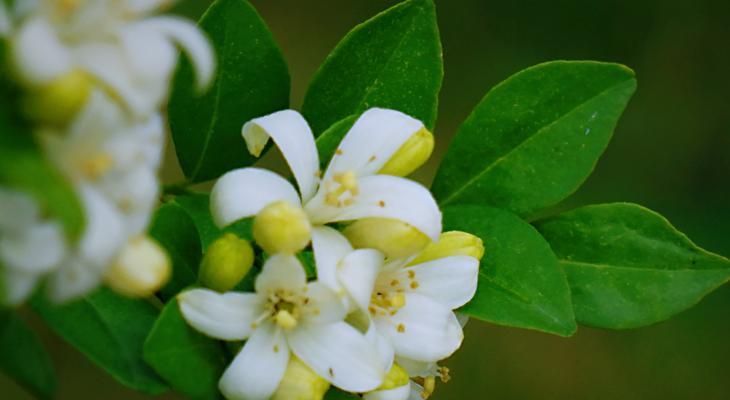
<point>94,78</point>
<point>379,314</point>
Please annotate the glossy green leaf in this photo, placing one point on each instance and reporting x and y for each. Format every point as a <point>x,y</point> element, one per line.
<point>23,358</point>
<point>251,80</point>
<point>110,330</point>
<point>175,230</point>
<point>392,60</point>
<point>337,394</point>
<point>628,267</point>
<point>198,207</point>
<point>189,361</point>
<point>23,167</point>
<point>520,281</point>
<point>535,137</point>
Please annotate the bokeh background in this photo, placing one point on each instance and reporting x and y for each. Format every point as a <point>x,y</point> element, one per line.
<point>670,152</point>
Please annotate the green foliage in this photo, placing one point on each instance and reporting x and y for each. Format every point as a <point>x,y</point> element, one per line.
<point>328,141</point>
<point>110,330</point>
<point>337,394</point>
<point>23,167</point>
<point>190,362</point>
<point>628,267</point>
<point>251,80</point>
<point>198,207</point>
<point>23,358</point>
<point>175,230</point>
<point>535,137</point>
<point>391,61</point>
<point>520,281</point>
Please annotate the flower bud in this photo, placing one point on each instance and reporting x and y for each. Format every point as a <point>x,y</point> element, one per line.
<point>394,238</point>
<point>453,243</point>
<point>411,155</point>
<point>282,228</point>
<point>141,268</point>
<point>226,261</point>
<point>300,383</point>
<point>58,102</point>
<point>396,377</point>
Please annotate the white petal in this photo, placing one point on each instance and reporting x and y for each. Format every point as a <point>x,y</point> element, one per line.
<point>244,192</point>
<point>399,393</point>
<point>191,40</point>
<point>452,281</point>
<point>463,319</point>
<point>382,345</point>
<point>386,197</point>
<point>104,233</point>
<point>329,246</point>
<point>150,56</point>
<point>226,316</point>
<point>418,368</point>
<point>324,305</point>
<point>143,7</point>
<point>38,53</point>
<point>416,391</point>
<point>292,135</point>
<point>281,271</point>
<point>429,331</point>
<point>73,279</point>
<point>132,190</point>
<point>372,141</point>
<point>338,353</point>
<point>256,371</point>
<point>16,286</point>
<point>357,273</point>
<point>18,210</point>
<point>36,249</point>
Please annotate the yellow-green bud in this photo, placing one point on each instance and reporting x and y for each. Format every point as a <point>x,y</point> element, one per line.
<point>300,383</point>
<point>282,228</point>
<point>395,378</point>
<point>453,243</point>
<point>394,238</point>
<point>226,261</point>
<point>411,155</point>
<point>59,101</point>
<point>141,268</point>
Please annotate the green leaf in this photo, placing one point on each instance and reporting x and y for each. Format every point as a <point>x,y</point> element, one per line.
<point>198,207</point>
<point>23,167</point>
<point>251,80</point>
<point>393,61</point>
<point>328,141</point>
<point>110,330</point>
<point>628,267</point>
<point>337,394</point>
<point>520,281</point>
<point>174,229</point>
<point>23,358</point>
<point>535,137</point>
<point>189,361</point>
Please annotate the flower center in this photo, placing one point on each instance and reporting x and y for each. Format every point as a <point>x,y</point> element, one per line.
<point>96,166</point>
<point>386,303</point>
<point>285,308</point>
<point>345,182</point>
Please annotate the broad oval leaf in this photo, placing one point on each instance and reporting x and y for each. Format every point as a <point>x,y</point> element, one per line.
<point>198,207</point>
<point>534,138</point>
<point>520,281</point>
<point>189,361</point>
<point>628,266</point>
<point>175,230</point>
<point>392,60</point>
<point>110,330</point>
<point>251,80</point>
<point>23,358</point>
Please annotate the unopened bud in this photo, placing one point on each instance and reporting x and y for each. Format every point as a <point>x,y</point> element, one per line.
<point>58,102</point>
<point>141,268</point>
<point>411,155</point>
<point>453,243</point>
<point>300,383</point>
<point>226,261</point>
<point>394,238</point>
<point>282,228</point>
<point>396,377</point>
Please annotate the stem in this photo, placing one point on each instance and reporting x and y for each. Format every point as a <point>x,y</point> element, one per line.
<point>177,188</point>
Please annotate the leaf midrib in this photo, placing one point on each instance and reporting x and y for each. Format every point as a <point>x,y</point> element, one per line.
<point>528,140</point>
<point>595,265</point>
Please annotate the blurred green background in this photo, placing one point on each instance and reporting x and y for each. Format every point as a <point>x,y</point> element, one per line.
<point>670,153</point>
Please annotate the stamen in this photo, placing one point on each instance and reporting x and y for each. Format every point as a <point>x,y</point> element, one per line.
<point>401,328</point>
<point>97,166</point>
<point>429,385</point>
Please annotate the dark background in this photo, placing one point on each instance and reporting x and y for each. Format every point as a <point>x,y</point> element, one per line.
<point>669,152</point>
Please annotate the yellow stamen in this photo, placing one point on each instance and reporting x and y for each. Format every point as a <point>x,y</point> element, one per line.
<point>285,319</point>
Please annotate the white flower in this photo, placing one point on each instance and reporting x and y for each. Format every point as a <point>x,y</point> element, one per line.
<point>286,314</point>
<point>411,305</point>
<point>113,41</point>
<point>30,246</point>
<point>350,189</point>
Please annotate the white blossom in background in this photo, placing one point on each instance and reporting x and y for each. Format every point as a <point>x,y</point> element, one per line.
<point>350,189</point>
<point>286,315</point>
<point>116,42</point>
